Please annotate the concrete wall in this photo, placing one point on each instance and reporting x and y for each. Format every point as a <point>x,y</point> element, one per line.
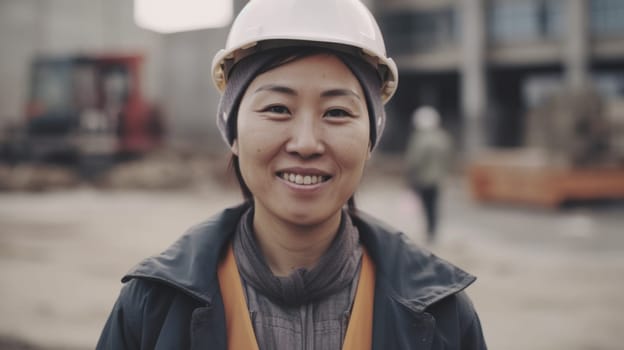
<point>413,4</point>
<point>190,98</point>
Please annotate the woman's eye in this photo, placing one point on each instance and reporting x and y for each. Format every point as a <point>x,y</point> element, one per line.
<point>336,112</point>
<point>277,109</point>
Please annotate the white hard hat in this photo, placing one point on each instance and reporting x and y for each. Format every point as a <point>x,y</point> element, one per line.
<point>344,24</point>
<point>425,118</point>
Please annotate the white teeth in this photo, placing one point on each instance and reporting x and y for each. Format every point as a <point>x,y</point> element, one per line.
<point>303,179</point>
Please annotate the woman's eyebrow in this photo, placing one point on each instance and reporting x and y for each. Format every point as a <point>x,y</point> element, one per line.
<point>277,88</point>
<point>289,91</point>
<point>339,92</point>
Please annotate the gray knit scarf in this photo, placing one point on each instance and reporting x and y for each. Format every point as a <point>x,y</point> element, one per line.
<point>334,271</point>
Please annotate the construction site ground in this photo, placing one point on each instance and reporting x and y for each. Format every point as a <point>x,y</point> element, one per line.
<point>547,279</point>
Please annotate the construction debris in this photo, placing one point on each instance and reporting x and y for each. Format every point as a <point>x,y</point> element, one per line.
<point>36,177</point>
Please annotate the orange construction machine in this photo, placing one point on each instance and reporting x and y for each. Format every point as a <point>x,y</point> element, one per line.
<point>575,151</point>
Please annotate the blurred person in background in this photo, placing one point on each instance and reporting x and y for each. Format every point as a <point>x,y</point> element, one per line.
<point>427,163</point>
<point>297,265</point>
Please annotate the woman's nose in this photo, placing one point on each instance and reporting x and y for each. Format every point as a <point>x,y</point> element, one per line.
<point>305,138</point>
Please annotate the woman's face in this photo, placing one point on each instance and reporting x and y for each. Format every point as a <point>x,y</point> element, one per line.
<point>303,140</point>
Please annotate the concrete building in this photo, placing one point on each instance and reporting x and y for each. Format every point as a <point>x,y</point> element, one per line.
<point>53,28</point>
<point>176,73</point>
<point>483,63</point>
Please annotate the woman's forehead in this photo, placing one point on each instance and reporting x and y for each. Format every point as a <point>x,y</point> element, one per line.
<point>324,71</point>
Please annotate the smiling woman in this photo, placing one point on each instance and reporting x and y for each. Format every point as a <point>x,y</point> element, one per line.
<point>168,16</point>
<point>297,265</point>
<point>304,119</point>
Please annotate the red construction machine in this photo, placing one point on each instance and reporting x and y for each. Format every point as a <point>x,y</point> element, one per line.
<point>88,109</point>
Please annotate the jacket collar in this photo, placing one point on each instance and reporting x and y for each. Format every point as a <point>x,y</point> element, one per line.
<point>414,278</point>
<point>190,264</point>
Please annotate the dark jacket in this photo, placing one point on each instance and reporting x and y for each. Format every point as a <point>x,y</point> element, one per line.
<point>172,301</point>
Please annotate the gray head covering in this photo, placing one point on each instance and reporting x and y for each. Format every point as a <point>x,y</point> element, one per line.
<point>251,66</point>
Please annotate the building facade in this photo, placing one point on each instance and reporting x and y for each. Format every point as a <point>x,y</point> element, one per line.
<point>484,64</point>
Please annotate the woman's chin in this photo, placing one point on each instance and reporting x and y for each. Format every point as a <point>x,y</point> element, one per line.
<point>308,217</point>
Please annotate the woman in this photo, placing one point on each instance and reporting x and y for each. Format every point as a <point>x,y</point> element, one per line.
<point>297,266</point>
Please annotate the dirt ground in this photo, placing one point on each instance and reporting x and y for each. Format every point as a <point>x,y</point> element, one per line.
<point>546,281</point>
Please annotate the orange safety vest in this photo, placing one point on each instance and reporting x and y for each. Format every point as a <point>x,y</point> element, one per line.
<point>240,333</point>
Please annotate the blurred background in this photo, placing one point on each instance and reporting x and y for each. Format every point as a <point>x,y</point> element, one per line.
<point>109,151</point>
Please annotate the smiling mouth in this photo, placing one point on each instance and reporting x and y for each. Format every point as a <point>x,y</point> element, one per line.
<point>299,179</point>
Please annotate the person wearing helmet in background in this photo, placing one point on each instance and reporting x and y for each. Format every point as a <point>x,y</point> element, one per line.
<point>297,266</point>
<point>428,158</point>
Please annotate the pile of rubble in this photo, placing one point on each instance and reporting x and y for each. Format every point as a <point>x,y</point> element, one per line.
<point>36,177</point>
<point>161,171</point>
<point>165,171</point>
